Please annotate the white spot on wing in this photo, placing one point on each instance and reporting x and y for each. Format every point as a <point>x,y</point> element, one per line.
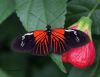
<point>23,37</point>
<point>70,30</point>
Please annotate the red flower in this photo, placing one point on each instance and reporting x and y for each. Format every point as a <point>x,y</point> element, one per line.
<point>80,57</point>
<point>84,56</point>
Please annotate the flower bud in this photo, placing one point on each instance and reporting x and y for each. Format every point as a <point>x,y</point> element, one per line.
<point>85,55</point>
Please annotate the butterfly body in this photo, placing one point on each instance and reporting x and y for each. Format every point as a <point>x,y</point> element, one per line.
<point>48,31</point>
<point>44,42</point>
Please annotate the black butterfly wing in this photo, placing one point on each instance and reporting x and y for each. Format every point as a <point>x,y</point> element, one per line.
<point>62,39</point>
<point>76,38</point>
<point>24,42</point>
<point>36,42</point>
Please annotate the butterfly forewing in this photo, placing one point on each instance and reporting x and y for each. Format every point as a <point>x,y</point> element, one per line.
<point>24,42</point>
<point>76,38</point>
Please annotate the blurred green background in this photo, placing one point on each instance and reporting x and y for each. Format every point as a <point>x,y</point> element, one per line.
<point>20,64</point>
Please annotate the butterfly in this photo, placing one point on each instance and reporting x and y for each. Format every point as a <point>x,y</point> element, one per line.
<point>44,42</point>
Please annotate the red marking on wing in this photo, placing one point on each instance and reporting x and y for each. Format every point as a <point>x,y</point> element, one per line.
<point>58,40</point>
<point>41,43</point>
<point>38,32</point>
<point>59,30</point>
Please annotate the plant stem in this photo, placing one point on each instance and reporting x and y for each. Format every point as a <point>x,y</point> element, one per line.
<point>91,12</point>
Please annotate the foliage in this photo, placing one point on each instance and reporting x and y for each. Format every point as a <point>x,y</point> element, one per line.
<point>20,16</point>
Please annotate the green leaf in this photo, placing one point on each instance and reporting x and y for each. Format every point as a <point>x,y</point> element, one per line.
<point>7,7</point>
<point>87,72</point>
<point>36,14</point>
<point>3,74</point>
<point>57,59</point>
<point>79,8</point>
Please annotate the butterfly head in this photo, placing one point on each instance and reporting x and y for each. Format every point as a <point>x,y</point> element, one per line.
<point>48,27</point>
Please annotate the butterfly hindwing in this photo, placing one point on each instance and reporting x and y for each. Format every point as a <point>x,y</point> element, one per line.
<point>41,43</point>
